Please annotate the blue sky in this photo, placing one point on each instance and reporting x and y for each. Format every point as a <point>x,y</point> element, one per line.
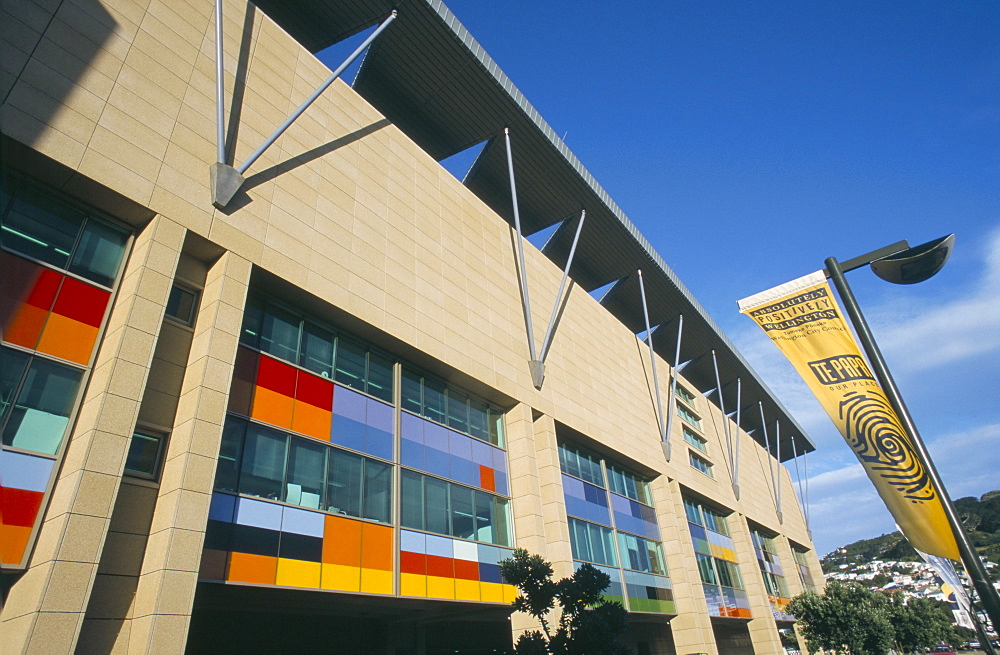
<point>751,140</point>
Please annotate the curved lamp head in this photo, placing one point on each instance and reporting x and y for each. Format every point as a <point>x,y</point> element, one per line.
<point>915,264</point>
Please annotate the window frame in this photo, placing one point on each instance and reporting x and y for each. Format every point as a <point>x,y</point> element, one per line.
<point>162,438</point>
<point>195,304</point>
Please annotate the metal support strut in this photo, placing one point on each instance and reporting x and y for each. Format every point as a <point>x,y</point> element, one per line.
<point>736,439</point>
<point>725,423</point>
<point>226,180</point>
<point>547,342</point>
<point>652,362</point>
<point>672,401</point>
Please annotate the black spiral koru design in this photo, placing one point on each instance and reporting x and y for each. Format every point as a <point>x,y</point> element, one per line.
<point>877,438</point>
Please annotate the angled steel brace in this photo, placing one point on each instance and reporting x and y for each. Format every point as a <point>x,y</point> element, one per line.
<point>226,180</point>
<point>770,466</point>
<point>672,402</point>
<point>652,363</point>
<point>736,439</point>
<point>777,446</point>
<point>547,342</point>
<point>798,478</point>
<point>725,421</point>
<point>535,366</point>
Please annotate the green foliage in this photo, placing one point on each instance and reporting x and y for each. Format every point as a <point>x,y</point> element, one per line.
<point>849,618</point>
<point>587,623</point>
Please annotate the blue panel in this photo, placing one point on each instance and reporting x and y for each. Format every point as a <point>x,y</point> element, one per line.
<point>482,453</point>
<point>440,546</point>
<point>489,554</point>
<point>437,461</point>
<point>412,454</point>
<point>379,415</point>
<point>348,432</point>
<point>223,508</point>
<point>378,443</point>
<point>436,436</point>
<point>23,471</point>
<point>300,521</point>
<point>490,573</point>
<point>463,470</point>
<point>257,513</point>
<point>501,483</point>
<point>412,542</point>
<point>412,427</point>
<point>499,459</point>
<point>460,445</point>
<point>349,404</point>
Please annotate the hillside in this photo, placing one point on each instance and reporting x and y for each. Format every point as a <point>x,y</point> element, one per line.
<point>981,518</point>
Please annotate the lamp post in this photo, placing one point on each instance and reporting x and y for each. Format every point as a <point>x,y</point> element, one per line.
<point>901,264</point>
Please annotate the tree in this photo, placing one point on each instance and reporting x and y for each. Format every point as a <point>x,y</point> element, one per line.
<point>847,617</point>
<point>587,624</point>
<point>919,622</point>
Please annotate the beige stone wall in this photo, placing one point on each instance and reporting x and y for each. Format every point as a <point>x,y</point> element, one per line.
<point>347,208</point>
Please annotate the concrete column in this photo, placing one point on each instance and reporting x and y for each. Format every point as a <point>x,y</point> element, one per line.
<point>165,593</point>
<point>763,629</point>
<point>529,523</point>
<point>692,628</point>
<point>45,609</point>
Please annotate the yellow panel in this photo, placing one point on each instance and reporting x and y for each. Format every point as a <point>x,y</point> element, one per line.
<point>412,584</point>
<point>467,589</point>
<point>440,587</point>
<point>297,573</point>
<point>491,591</point>
<point>374,581</point>
<point>341,578</point>
<point>509,593</point>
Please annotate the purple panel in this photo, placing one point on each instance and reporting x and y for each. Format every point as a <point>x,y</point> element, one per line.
<point>223,508</point>
<point>258,514</point>
<point>412,428</point>
<point>500,480</point>
<point>460,445</point>
<point>463,470</point>
<point>436,436</point>
<point>482,453</point>
<point>412,542</point>
<point>499,459</point>
<point>300,521</point>
<point>350,404</point>
<point>379,415</point>
<point>22,471</point>
<point>440,546</point>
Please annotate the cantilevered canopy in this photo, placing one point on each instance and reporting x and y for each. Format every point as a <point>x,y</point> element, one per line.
<point>436,83</point>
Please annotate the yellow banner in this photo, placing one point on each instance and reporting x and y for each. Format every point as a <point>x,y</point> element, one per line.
<point>804,320</point>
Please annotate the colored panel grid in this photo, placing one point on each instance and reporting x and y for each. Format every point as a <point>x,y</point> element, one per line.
<point>436,449</point>
<point>81,302</point>
<point>615,593</point>
<point>26,297</point>
<point>362,423</point>
<point>721,546</point>
<point>272,407</point>
<point>310,420</point>
<point>649,593</point>
<point>635,517</point>
<point>376,547</point>
<point>585,501</point>
<point>252,569</point>
<point>19,507</point>
<point>737,603</point>
<point>297,573</point>
<point>342,541</point>
<point>68,339</point>
<point>433,566</point>
<point>714,600</point>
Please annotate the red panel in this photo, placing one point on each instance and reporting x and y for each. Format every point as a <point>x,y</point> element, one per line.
<point>81,302</point>
<point>442,567</point>
<point>315,390</point>
<point>412,563</point>
<point>19,506</point>
<point>26,296</point>
<point>465,570</point>
<point>487,479</point>
<point>276,376</point>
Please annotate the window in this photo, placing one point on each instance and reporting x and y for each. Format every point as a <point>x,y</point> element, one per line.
<point>46,228</point>
<point>695,439</point>
<point>581,463</point>
<point>444,404</point>
<point>592,543</point>
<point>36,398</point>
<point>688,415</point>
<point>641,554</point>
<point>181,304</point>
<point>145,455</point>
<point>454,510</point>
<point>627,484</point>
<point>684,394</point>
<point>700,463</point>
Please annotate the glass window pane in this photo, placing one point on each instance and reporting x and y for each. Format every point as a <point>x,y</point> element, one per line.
<point>252,318</point>
<point>181,304</point>
<point>496,428</point>
<point>484,517</point>
<point>306,473</point>
<point>479,421</point>
<point>458,410</point>
<point>706,569</point>
<point>279,333</point>
<point>12,365</point>
<point>380,377</point>
<point>41,227</point>
<point>693,513</point>
<point>412,495</point>
<point>228,469</point>
<point>378,490</point>
<point>317,350</point>
<point>436,506</point>
<point>99,252</point>
<point>411,392</point>
<point>40,414</point>
<point>344,483</point>
<point>434,400</point>
<point>462,523</point>
<point>501,521</point>
<point>143,457</point>
<point>350,364</point>
<point>263,470</point>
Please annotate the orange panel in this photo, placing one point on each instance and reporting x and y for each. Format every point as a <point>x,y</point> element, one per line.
<point>342,541</point>
<point>256,569</point>
<point>13,541</point>
<point>376,552</point>
<point>69,339</point>
<point>272,407</point>
<point>487,479</point>
<point>310,420</point>
<point>25,326</point>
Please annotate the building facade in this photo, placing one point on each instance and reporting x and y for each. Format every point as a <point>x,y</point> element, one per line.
<point>311,417</point>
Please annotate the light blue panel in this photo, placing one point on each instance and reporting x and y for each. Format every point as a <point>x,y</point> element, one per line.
<point>440,546</point>
<point>223,508</point>
<point>301,521</point>
<point>23,471</point>
<point>482,453</point>
<point>258,514</point>
<point>490,554</point>
<point>412,542</point>
<point>412,427</point>
<point>436,436</point>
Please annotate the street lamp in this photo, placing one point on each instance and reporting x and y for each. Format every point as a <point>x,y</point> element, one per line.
<point>901,264</point>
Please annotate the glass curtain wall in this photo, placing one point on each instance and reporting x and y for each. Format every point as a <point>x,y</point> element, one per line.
<point>717,562</point>
<point>772,572</point>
